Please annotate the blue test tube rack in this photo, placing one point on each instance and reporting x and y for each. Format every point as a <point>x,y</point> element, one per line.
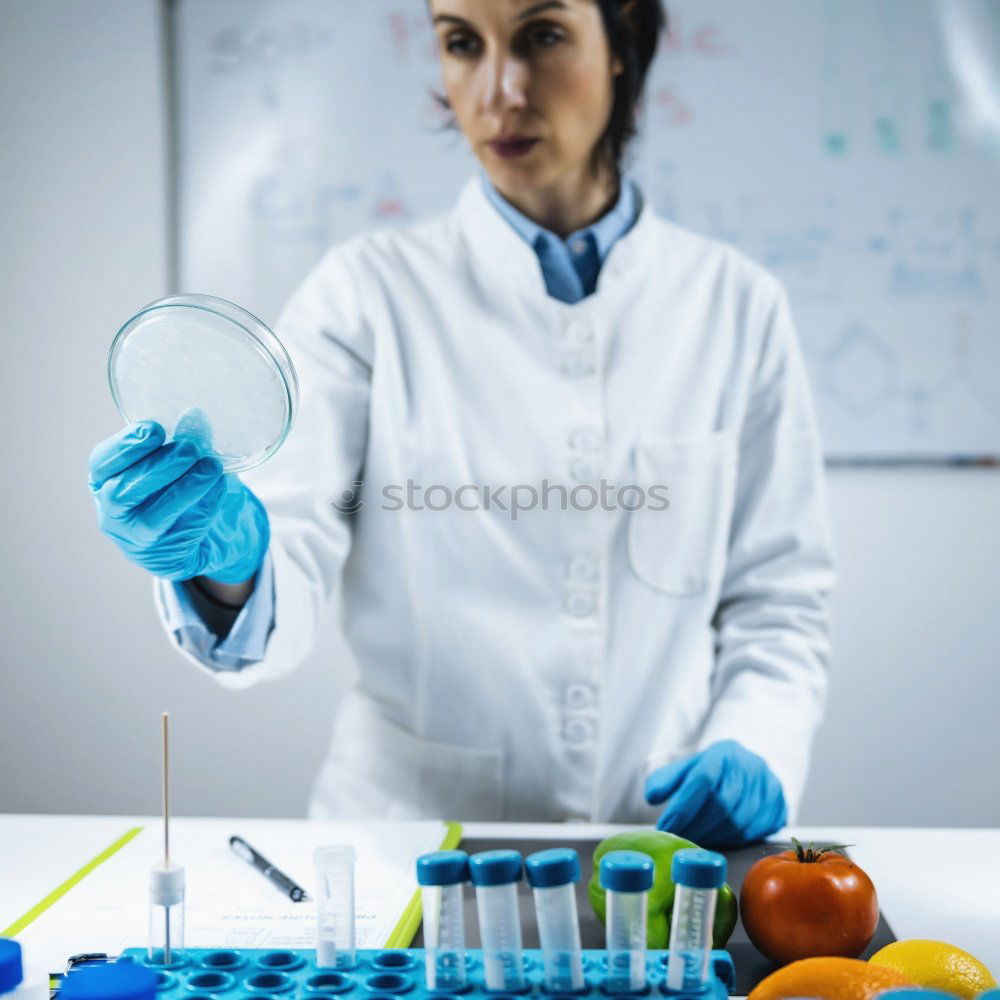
<point>396,974</point>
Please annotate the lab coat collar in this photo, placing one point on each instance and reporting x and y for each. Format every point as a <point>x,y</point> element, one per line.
<point>605,231</point>
<point>507,261</point>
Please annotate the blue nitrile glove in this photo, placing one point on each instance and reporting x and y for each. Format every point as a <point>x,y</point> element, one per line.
<point>171,509</point>
<point>724,796</point>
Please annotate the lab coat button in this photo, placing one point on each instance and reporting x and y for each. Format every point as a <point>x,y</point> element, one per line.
<point>583,472</point>
<point>578,732</point>
<point>582,569</point>
<point>579,333</point>
<point>580,604</point>
<point>586,439</point>
<point>578,365</point>
<point>579,696</point>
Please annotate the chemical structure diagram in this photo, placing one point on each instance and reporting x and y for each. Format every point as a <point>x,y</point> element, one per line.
<point>932,252</point>
<point>863,374</point>
<point>295,208</point>
<point>796,238</point>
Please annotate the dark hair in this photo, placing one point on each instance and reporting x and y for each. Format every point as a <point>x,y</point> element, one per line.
<point>633,28</point>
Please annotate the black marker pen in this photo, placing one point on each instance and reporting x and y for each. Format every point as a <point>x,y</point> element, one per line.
<point>294,892</point>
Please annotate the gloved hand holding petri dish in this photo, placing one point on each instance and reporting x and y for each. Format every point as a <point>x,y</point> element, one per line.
<point>209,372</point>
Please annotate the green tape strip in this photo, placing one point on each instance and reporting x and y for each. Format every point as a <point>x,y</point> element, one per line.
<point>39,908</point>
<point>403,933</point>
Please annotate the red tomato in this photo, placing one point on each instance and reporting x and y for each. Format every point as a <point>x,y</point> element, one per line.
<point>805,903</point>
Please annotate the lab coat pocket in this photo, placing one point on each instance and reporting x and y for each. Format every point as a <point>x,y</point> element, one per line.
<point>680,548</point>
<point>377,768</point>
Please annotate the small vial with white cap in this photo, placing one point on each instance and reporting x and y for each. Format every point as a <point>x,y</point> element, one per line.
<point>495,875</point>
<point>627,877</point>
<point>441,876</point>
<point>110,981</point>
<point>335,906</point>
<point>16,982</point>
<point>698,876</point>
<point>166,913</point>
<point>552,875</point>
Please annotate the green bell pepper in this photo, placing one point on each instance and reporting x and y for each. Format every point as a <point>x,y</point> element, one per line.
<point>661,847</point>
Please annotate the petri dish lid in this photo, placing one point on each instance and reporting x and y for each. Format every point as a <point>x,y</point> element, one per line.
<point>209,371</point>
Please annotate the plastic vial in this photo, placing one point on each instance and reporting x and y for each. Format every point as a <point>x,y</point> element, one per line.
<point>111,981</point>
<point>495,875</point>
<point>627,877</point>
<point>698,876</point>
<point>335,906</point>
<point>913,993</point>
<point>552,875</point>
<point>16,982</point>
<point>441,876</point>
<point>166,914</point>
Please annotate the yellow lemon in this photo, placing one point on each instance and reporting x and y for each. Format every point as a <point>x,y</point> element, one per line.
<point>936,966</point>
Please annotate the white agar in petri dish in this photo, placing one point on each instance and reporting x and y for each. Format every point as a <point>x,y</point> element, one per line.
<point>208,371</point>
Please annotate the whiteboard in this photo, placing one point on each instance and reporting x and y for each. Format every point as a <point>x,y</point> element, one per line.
<point>851,146</point>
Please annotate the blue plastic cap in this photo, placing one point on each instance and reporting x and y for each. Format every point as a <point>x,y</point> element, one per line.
<point>113,981</point>
<point>557,866</point>
<point>913,993</point>
<point>443,868</point>
<point>11,972</point>
<point>626,871</point>
<point>698,869</point>
<point>495,867</point>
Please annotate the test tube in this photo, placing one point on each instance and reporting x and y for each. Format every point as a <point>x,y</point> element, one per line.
<point>627,877</point>
<point>441,876</point>
<point>552,875</point>
<point>334,906</point>
<point>166,913</point>
<point>495,875</point>
<point>698,876</point>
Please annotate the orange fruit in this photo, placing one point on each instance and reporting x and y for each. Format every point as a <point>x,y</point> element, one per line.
<point>829,979</point>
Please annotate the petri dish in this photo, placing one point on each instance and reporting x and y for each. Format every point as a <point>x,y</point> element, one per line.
<point>209,371</point>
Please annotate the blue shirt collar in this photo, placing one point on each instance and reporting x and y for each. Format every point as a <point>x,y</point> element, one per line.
<point>606,231</point>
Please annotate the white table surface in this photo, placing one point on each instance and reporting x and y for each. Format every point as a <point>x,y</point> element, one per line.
<point>932,883</point>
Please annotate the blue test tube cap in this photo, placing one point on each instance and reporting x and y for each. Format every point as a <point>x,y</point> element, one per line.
<point>698,869</point>
<point>112,981</point>
<point>496,867</point>
<point>556,866</point>
<point>911,993</point>
<point>443,868</point>
<point>11,972</point>
<point>626,871</point>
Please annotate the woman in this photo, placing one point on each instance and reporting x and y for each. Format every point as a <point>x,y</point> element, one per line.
<point>642,632</point>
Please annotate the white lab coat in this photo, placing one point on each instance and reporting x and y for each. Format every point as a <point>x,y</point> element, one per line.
<point>541,668</point>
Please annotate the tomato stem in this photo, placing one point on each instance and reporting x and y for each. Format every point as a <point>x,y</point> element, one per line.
<point>811,853</point>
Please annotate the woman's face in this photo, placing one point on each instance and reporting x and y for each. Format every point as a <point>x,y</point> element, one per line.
<point>530,82</point>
